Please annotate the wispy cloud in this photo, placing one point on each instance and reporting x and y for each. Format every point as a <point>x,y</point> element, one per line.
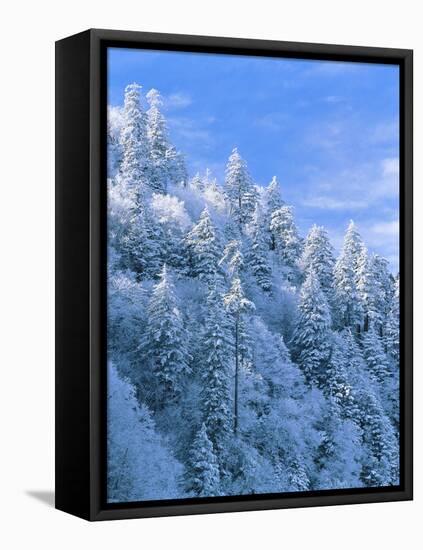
<point>177,100</point>
<point>330,203</point>
<point>355,188</point>
<point>189,129</point>
<point>272,121</point>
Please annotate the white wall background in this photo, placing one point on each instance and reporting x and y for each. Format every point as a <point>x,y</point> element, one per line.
<point>29,30</point>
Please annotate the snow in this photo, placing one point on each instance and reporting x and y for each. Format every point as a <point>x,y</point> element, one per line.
<point>243,358</point>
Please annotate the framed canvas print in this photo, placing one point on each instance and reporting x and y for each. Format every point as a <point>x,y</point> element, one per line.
<point>234,274</point>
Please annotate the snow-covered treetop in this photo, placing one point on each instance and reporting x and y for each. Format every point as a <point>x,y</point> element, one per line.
<point>235,300</point>
<point>154,98</point>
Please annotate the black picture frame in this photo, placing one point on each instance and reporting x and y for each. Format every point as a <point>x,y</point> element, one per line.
<point>81,282</point>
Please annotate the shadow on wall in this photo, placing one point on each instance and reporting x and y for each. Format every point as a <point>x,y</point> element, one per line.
<point>46,497</point>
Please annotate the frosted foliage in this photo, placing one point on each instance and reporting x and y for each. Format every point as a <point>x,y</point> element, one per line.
<point>140,466</point>
<point>242,357</point>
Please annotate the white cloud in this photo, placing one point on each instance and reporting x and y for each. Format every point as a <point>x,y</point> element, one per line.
<point>178,100</point>
<point>387,229</point>
<point>187,129</point>
<point>330,203</point>
<point>362,187</point>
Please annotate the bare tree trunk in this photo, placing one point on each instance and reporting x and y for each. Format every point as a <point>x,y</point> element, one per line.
<point>236,374</point>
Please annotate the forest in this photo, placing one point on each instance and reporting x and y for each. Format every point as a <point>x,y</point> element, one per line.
<point>243,357</point>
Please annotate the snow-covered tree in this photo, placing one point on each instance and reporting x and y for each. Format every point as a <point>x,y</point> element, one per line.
<point>139,465</point>
<point>285,235</point>
<point>135,166</point>
<point>165,340</point>
<point>158,142</point>
<point>216,350</point>
<point>318,255</point>
<point>311,340</point>
<point>347,301</point>
<point>202,477</point>
<point>381,464</point>
<point>238,188</point>
<point>392,325</point>
<point>237,305</point>
<point>177,173</point>
<point>375,356</point>
<point>258,257</point>
<point>141,244</point>
<point>273,196</point>
<point>204,249</point>
<point>338,457</point>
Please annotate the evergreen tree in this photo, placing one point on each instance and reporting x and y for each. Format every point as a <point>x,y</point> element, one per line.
<point>347,301</point>
<point>285,236</point>
<point>140,244</point>
<point>337,382</point>
<point>204,248</point>
<point>176,168</point>
<point>385,289</point>
<point>197,182</point>
<point>381,465</point>
<point>135,166</point>
<point>374,356</point>
<point>202,477</point>
<point>338,456</point>
<point>272,201</point>
<point>257,258</point>
<point>233,258</point>
<point>165,341</point>
<point>311,339</point>
<point>392,325</point>
<point>238,189</point>
<point>237,306</point>
<point>273,196</point>
<point>318,255</point>
<point>158,143</point>
<point>367,289</point>
<point>216,349</point>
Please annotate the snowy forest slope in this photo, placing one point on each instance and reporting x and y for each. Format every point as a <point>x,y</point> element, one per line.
<point>242,357</point>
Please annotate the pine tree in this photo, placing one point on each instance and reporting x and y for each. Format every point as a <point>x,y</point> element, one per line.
<point>318,255</point>
<point>392,325</point>
<point>311,339</point>
<point>367,288</point>
<point>257,257</point>
<point>216,349</point>
<point>338,456</point>
<point>197,182</point>
<point>140,244</point>
<point>381,466</point>
<point>285,236</point>
<point>233,258</point>
<point>158,143</point>
<point>202,476</point>
<point>385,289</point>
<point>135,161</point>
<point>165,341</point>
<point>374,356</point>
<point>347,302</point>
<point>238,189</point>
<point>237,306</point>
<point>337,384</point>
<point>272,202</point>
<point>203,248</point>
<point>176,168</point>
<point>273,196</point>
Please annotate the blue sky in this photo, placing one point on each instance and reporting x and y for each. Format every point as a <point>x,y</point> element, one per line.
<point>329,131</point>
